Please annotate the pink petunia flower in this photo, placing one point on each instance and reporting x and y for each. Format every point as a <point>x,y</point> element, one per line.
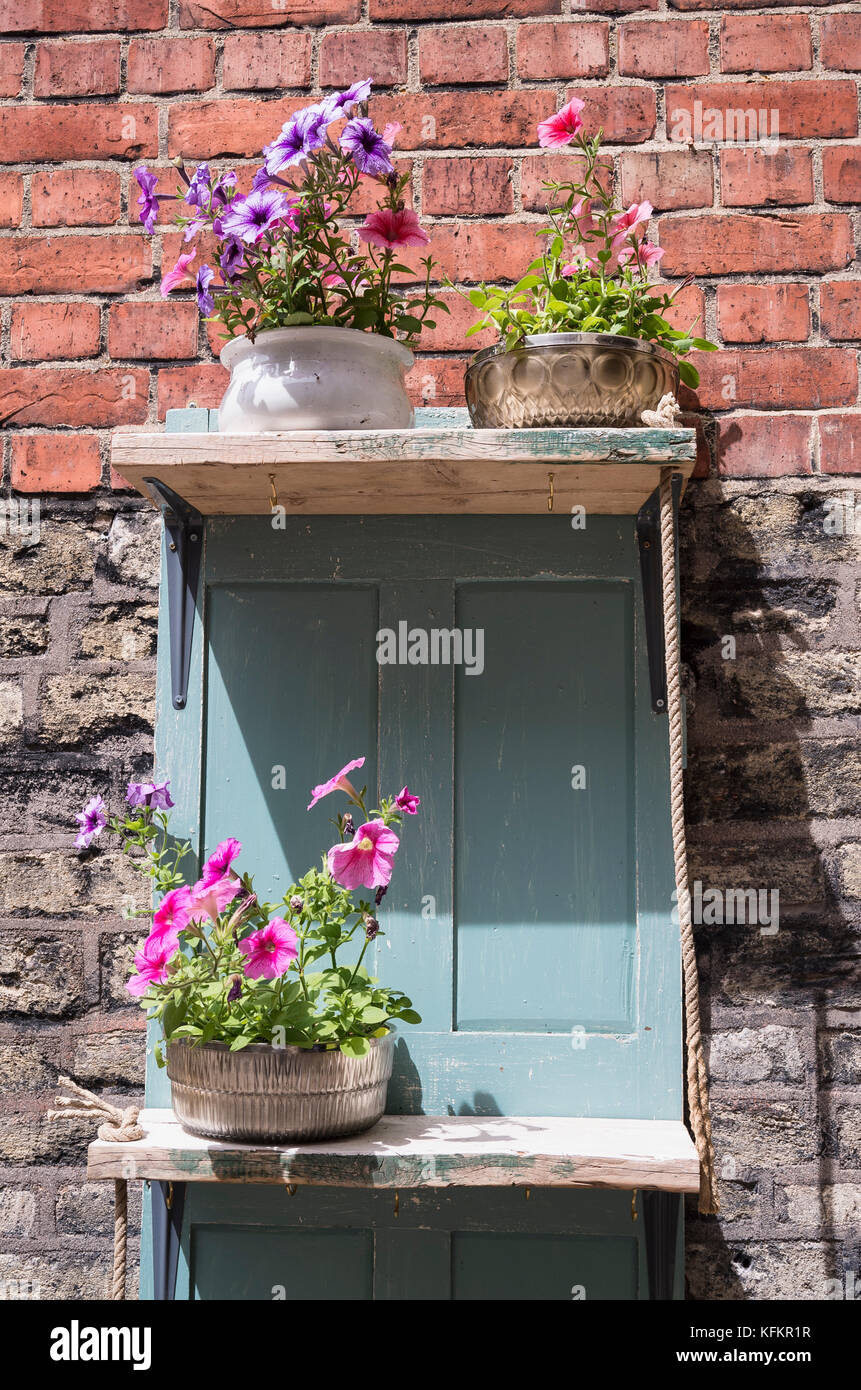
<point>408,802</point>
<point>209,899</point>
<point>389,229</point>
<point>269,950</point>
<point>173,913</point>
<point>366,859</point>
<point>338,783</point>
<point>151,963</point>
<point>625,224</point>
<point>649,253</point>
<point>561,128</point>
<point>391,132</point>
<point>176,279</point>
<point>220,860</point>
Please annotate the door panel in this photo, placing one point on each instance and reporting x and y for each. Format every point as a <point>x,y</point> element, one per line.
<point>497,1265</point>
<point>292,1265</point>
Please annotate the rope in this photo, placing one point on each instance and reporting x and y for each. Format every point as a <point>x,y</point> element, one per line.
<point>119,1126</point>
<point>697,1078</point>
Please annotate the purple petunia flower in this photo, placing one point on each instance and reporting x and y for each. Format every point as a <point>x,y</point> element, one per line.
<point>147,202</point>
<point>248,218</point>
<point>92,821</point>
<point>341,102</point>
<point>199,191</point>
<point>369,151</point>
<point>300,136</point>
<point>221,189</point>
<point>232,258</point>
<point>205,301</point>
<point>156,795</point>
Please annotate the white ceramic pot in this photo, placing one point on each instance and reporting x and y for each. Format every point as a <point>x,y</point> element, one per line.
<point>315,378</point>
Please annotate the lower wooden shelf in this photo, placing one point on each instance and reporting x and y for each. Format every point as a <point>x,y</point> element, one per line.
<point>408,1151</point>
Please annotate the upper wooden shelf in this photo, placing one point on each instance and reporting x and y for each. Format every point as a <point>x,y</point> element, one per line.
<point>403,472</point>
<point>422,1151</point>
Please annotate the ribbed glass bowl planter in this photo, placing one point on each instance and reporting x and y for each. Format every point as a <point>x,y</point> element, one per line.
<point>574,379</point>
<point>276,1095</point>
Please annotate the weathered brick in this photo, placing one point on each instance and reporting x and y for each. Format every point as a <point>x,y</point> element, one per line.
<point>840,443</point>
<point>764,446</point>
<point>834,1206</point>
<point>841,42</point>
<point>11,69</point>
<point>11,711</point>
<point>252,14</point>
<point>765,43</point>
<point>840,1057</point>
<point>840,309</point>
<point>463,53</point>
<point>63,396</point>
<point>793,1269</point>
<point>17,1212</point>
<point>466,185</point>
<point>849,1133</point>
<point>204,384</point>
<point>111,1058</point>
<point>75,198</point>
<point>668,179</point>
<point>756,244</point>
<point>800,684</point>
<point>66,69</point>
<point>85,131</point>
<point>11,199</point>
<point>171,65</point>
<point>348,57</point>
<point>43,331</point>
<point>81,16</point>
<point>804,109</point>
<point>42,974</point>
<point>120,632</point>
<point>462,9</point>
<point>22,637</point>
<point>771,1053</point>
<point>627,115</point>
<point>59,1275</point>
<point>664,48</point>
<point>763,1133</point>
<point>153,330</point>
<point>133,549</point>
<point>62,561</point>
<point>30,1063</point>
<point>565,50</point>
<point>261,61</point>
<point>763,313</point>
<point>77,709</point>
<point>55,462</point>
<point>841,173</point>
<point>52,265</point>
<point>750,178</point>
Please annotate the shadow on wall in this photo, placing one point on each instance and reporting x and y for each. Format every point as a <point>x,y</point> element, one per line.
<point>770,640</point>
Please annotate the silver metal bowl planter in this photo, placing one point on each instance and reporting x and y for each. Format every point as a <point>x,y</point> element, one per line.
<point>273,1095</point>
<point>574,379</point>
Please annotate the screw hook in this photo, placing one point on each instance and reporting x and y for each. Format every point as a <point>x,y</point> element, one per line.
<point>550,477</point>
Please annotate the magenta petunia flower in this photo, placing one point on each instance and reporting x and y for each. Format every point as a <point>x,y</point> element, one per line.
<point>220,860</point>
<point>151,963</point>
<point>209,899</point>
<point>406,801</point>
<point>561,128</point>
<point>269,950</point>
<point>92,821</point>
<point>367,859</point>
<point>338,783</point>
<point>388,228</point>
<point>173,912</point>
<point>369,151</point>
<point>156,795</point>
<point>176,279</point>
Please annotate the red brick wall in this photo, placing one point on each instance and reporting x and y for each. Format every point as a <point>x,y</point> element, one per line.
<point>90,88</point>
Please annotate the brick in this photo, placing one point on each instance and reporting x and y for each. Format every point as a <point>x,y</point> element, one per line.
<point>472,251</point>
<point>255,14</point>
<point>59,133</point>
<point>153,330</point>
<point>764,446</point>
<point>266,61</point>
<point>840,45</point>
<point>627,115</point>
<point>841,173</point>
<point>52,265</point>
<point>463,53</point>
<point>75,198</point>
<point>451,328</point>
<point>463,119</point>
<point>171,65</point>
<point>771,1053</point>
<point>753,178</point>
<point>40,332</point>
<point>11,199</point>
<point>62,396</point>
<point>204,384</point>
<point>236,126</point>
<point>81,16</point>
<point>436,381</point>
<point>783,378</point>
<point>840,309</point>
<point>840,443</point>
<point>731,243</point>
<point>664,48</point>
<point>805,109</point>
<point>11,68</point>
<point>55,462</point>
<point>763,313</point>
<point>66,69</point>
<point>566,50</point>
<point>346,58</point>
<point>465,185</point>
<point>462,9</point>
<point>765,43</point>
<point>669,179</point>
<point>548,166</point>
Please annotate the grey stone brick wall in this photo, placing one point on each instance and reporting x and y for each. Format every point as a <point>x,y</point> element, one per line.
<point>774,803</point>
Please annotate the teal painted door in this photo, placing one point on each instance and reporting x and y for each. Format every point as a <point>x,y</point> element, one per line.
<point>530,912</point>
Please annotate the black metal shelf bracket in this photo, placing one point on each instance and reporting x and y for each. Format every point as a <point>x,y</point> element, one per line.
<point>183,525</point>
<point>649,540</point>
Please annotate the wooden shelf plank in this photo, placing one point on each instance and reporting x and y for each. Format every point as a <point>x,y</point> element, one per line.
<point>422,1151</point>
<point>406,472</point>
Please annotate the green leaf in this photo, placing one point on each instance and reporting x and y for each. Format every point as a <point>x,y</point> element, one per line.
<point>355,1046</point>
<point>689,375</point>
<point>704,345</point>
<point>373,1014</point>
<point>410,1016</point>
<point>240,1042</point>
